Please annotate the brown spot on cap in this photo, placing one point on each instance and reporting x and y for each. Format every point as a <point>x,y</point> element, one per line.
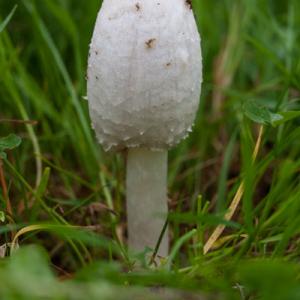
<point>189,3</point>
<point>138,6</point>
<point>150,43</point>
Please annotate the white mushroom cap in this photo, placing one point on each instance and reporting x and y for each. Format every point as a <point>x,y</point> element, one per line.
<point>144,73</point>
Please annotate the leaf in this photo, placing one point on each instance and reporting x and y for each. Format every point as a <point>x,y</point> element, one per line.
<point>260,114</point>
<point>8,143</point>
<point>286,116</point>
<point>28,273</point>
<point>8,18</point>
<point>2,216</point>
<point>44,183</point>
<point>270,279</point>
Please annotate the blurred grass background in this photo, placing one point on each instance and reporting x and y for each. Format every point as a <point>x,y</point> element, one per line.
<point>59,177</point>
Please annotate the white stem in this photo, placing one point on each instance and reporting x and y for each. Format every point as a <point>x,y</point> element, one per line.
<point>147,207</point>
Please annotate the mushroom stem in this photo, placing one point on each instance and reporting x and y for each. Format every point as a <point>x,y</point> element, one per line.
<point>147,199</point>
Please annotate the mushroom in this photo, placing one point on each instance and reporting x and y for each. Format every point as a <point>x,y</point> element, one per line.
<point>144,83</point>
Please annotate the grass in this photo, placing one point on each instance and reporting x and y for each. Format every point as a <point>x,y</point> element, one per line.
<point>62,197</point>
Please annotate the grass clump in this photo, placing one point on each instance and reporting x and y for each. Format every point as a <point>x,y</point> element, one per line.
<point>237,176</point>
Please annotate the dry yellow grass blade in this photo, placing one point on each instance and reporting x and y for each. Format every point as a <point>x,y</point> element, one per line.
<point>30,228</point>
<point>23,231</point>
<point>234,204</point>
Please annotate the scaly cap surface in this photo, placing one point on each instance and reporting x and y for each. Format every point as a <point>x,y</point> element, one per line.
<point>144,73</point>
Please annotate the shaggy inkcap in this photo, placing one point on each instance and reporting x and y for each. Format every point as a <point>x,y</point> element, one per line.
<point>144,73</point>
<point>144,81</point>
